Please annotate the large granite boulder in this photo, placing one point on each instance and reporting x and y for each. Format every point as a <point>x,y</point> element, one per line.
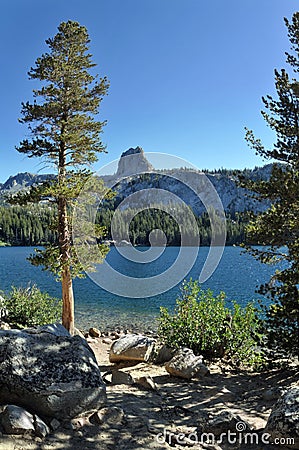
<point>132,347</point>
<point>186,365</point>
<point>49,372</point>
<point>283,421</point>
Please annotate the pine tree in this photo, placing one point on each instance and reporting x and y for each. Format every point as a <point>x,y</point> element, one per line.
<point>278,227</point>
<point>64,132</point>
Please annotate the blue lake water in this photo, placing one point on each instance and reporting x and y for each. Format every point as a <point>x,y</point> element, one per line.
<point>238,274</point>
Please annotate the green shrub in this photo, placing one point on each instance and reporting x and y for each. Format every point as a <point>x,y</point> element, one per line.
<point>205,324</point>
<point>30,307</point>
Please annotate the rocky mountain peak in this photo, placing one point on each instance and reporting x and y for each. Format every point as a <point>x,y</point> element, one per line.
<point>133,161</point>
<point>19,179</point>
<point>22,181</point>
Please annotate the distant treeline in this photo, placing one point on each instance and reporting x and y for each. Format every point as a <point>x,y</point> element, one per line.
<point>33,225</point>
<point>150,219</point>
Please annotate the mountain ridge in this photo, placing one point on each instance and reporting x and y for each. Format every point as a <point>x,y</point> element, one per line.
<point>135,173</point>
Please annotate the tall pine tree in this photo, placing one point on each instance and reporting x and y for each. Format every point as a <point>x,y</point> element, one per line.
<point>64,131</point>
<point>278,228</point>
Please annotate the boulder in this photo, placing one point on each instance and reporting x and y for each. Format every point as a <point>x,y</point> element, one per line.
<point>185,364</point>
<point>283,421</point>
<point>132,347</point>
<point>49,372</point>
<point>164,354</point>
<point>16,420</point>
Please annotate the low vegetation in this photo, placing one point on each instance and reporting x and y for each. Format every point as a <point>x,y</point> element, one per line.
<point>28,307</point>
<point>203,322</point>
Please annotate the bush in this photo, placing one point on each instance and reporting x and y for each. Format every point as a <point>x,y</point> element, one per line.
<point>30,307</point>
<point>205,324</point>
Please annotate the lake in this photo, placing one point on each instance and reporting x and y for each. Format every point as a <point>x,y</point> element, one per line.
<point>238,274</point>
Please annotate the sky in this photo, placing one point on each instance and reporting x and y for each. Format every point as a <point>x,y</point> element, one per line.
<point>186,76</point>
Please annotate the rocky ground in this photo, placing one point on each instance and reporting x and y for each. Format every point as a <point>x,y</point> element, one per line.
<point>152,413</point>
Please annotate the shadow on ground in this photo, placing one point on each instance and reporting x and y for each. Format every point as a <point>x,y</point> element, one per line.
<point>177,406</point>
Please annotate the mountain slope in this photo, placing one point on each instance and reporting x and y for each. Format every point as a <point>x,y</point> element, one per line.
<point>136,174</point>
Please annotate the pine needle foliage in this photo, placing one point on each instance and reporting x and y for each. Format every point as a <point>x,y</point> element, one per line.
<point>277,229</point>
<point>65,132</point>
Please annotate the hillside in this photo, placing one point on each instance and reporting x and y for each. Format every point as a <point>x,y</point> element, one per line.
<point>135,173</point>
<point>138,184</point>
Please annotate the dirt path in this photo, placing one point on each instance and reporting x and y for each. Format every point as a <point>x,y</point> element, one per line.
<point>176,406</point>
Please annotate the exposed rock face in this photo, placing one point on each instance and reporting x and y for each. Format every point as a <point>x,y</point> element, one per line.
<point>283,421</point>
<point>132,347</point>
<point>185,364</point>
<point>49,372</point>
<point>22,181</point>
<point>130,178</point>
<point>133,161</point>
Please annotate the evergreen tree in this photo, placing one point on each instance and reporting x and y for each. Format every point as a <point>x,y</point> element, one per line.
<point>277,228</point>
<point>64,132</point>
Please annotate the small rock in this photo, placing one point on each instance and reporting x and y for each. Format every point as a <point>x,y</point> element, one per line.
<point>54,424</point>
<point>111,415</point>
<point>94,332</point>
<point>185,364</point>
<point>79,433</point>
<point>147,383</point>
<point>120,377</point>
<point>107,341</point>
<point>225,421</point>
<point>132,347</point>
<point>79,422</point>
<point>115,335</point>
<point>4,326</point>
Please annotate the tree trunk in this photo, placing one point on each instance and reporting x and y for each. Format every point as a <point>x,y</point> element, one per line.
<point>64,241</point>
<point>66,280</point>
<point>68,318</point>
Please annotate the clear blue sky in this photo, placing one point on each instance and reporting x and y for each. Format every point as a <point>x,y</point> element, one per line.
<point>186,75</point>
